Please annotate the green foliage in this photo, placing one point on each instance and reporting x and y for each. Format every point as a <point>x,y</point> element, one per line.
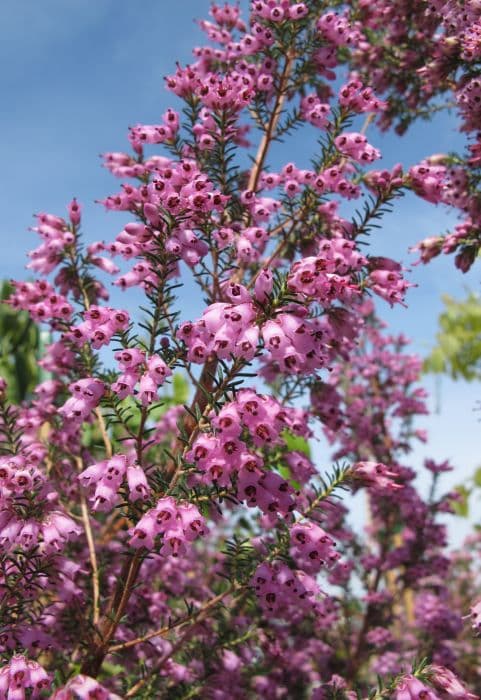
<point>180,390</point>
<point>461,506</point>
<point>458,354</point>
<point>296,443</point>
<point>458,349</point>
<point>9,433</point>
<point>240,560</point>
<point>471,488</point>
<point>386,687</point>
<point>19,349</point>
<point>124,413</point>
<point>477,477</point>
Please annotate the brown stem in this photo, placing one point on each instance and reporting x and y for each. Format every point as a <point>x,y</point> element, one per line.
<point>119,600</point>
<point>277,251</point>
<point>187,620</point>
<point>210,367</point>
<point>271,126</point>
<point>103,432</point>
<point>358,654</point>
<point>109,622</point>
<point>191,620</point>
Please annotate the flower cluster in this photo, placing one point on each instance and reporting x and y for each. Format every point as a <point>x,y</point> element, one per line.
<point>411,687</point>
<point>144,134</point>
<point>338,30</point>
<point>225,329</point>
<point>148,373</point>
<point>84,687</point>
<point>100,324</point>
<point>177,523</point>
<point>356,97</point>
<point>22,526</point>
<point>167,523</point>
<point>312,548</point>
<point>21,676</point>
<point>107,477</point>
<point>376,475</point>
<point>42,302</point>
<point>278,589</point>
<point>314,111</point>
<point>251,421</point>
<point>86,395</point>
<point>355,146</point>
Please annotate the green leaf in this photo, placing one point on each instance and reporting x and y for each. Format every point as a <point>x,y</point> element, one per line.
<point>436,362</point>
<point>458,349</point>
<point>461,507</point>
<point>19,349</point>
<point>180,389</point>
<point>285,472</point>
<point>111,669</point>
<point>477,477</point>
<point>296,443</point>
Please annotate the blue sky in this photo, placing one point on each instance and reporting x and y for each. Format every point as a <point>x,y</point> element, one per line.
<point>75,74</point>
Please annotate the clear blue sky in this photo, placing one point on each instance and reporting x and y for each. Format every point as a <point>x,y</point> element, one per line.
<point>75,74</point>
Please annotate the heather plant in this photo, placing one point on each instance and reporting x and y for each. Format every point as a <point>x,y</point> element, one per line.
<point>168,527</point>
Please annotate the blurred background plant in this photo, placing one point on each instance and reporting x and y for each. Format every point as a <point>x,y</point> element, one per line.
<point>20,348</point>
<point>457,354</point>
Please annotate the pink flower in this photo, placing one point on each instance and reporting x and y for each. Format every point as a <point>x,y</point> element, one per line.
<point>74,212</point>
<point>312,548</point>
<point>176,523</point>
<point>84,688</point>
<point>475,615</point>
<point>86,395</point>
<point>355,146</point>
<point>21,674</point>
<point>411,688</point>
<point>449,684</point>
<point>376,475</point>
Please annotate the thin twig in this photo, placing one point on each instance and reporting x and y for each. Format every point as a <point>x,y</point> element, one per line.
<point>86,304</point>
<point>277,251</point>
<point>91,547</point>
<point>187,620</point>
<point>274,118</point>
<point>195,618</point>
<point>103,432</point>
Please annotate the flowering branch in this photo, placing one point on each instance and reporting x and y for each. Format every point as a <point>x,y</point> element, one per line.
<point>218,498</point>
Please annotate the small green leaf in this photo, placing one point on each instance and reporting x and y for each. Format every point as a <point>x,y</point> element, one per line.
<point>477,477</point>
<point>436,362</point>
<point>296,443</point>
<point>112,669</point>
<point>285,472</point>
<point>180,389</point>
<point>461,506</point>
